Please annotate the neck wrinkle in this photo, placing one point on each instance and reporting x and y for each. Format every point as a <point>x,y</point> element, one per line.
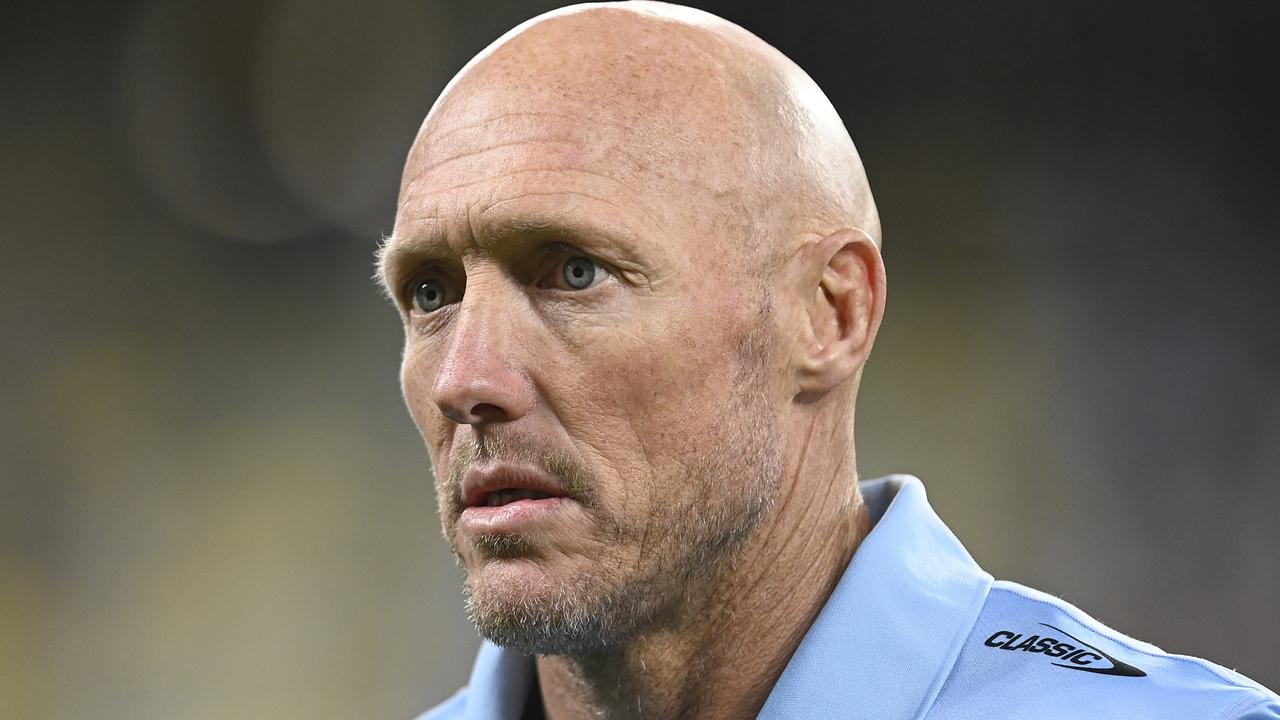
<point>722,659</point>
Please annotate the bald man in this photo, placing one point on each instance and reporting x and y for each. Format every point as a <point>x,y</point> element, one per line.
<point>638,265</point>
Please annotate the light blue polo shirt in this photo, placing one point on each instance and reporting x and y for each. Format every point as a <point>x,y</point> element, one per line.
<point>915,630</point>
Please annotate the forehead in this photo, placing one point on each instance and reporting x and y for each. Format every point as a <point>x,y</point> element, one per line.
<point>478,152</point>
<point>496,171</point>
<point>639,138</point>
<point>500,174</point>
<point>506,121</point>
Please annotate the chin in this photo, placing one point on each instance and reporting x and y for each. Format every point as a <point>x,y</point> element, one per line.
<point>524,605</point>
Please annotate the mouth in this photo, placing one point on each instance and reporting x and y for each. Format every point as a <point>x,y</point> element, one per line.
<point>505,498</point>
<point>502,485</point>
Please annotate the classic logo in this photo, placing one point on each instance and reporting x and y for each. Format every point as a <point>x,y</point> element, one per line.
<point>1081,656</point>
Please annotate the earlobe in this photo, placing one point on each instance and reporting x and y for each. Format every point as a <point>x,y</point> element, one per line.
<point>845,292</point>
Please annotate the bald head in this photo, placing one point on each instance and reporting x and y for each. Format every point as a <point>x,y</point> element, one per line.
<point>635,255</point>
<point>714,118</point>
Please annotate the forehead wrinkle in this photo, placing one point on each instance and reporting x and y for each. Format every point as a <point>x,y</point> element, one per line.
<point>628,201</point>
<point>653,158</point>
<point>632,192</point>
<point>495,147</point>
<point>435,133</point>
<point>636,162</point>
<point>498,223</point>
<point>427,238</point>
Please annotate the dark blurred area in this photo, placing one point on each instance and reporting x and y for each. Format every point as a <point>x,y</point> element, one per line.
<point>213,505</point>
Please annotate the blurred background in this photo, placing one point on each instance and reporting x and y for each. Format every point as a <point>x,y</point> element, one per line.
<point>213,504</point>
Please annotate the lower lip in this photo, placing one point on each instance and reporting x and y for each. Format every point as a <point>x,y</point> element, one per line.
<point>479,519</point>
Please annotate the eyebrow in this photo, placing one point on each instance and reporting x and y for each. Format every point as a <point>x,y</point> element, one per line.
<point>398,252</point>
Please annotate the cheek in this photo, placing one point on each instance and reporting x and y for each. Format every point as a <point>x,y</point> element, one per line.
<point>656,401</point>
<point>417,378</point>
<point>682,376</point>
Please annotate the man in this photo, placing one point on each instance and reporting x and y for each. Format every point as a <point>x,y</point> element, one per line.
<point>638,263</point>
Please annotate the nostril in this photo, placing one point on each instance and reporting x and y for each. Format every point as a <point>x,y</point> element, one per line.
<point>453,415</point>
<point>479,413</point>
<point>487,412</point>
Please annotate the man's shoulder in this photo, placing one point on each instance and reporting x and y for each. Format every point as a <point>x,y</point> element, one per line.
<point>449,709</point>
<point>1033,654</point>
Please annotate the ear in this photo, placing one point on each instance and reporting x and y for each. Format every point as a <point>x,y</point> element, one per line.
<point>844,290</point>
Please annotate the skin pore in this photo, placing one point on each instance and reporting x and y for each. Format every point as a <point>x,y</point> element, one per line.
<point>636,254</point>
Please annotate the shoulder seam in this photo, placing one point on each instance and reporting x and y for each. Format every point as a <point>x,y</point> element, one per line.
<point>1255,701</point>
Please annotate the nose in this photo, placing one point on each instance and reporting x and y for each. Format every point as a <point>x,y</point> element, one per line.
<point>480,380</point>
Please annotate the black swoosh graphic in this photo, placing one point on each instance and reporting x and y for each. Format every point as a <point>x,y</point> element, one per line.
<point>1119,667</point>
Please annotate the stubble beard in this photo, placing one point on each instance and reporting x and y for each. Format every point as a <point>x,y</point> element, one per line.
<point>687,546</point>
<point>606,605</point>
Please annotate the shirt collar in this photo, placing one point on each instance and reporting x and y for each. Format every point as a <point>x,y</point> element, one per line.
<point>881,647</point>
<point>500,683</point>
<point>886,639</point>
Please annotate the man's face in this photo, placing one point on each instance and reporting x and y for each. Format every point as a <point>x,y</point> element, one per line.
<point>590,357</point>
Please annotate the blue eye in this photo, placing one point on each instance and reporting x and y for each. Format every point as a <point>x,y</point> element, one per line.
<point>579,272</point>
<point>428,295</point>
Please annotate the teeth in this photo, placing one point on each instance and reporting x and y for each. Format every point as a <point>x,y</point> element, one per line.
<point>503,497</point>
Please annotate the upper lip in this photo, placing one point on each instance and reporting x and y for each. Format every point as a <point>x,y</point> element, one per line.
<point>478,482</point>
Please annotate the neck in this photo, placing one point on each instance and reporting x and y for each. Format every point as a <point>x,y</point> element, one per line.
<point>723,657</point>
